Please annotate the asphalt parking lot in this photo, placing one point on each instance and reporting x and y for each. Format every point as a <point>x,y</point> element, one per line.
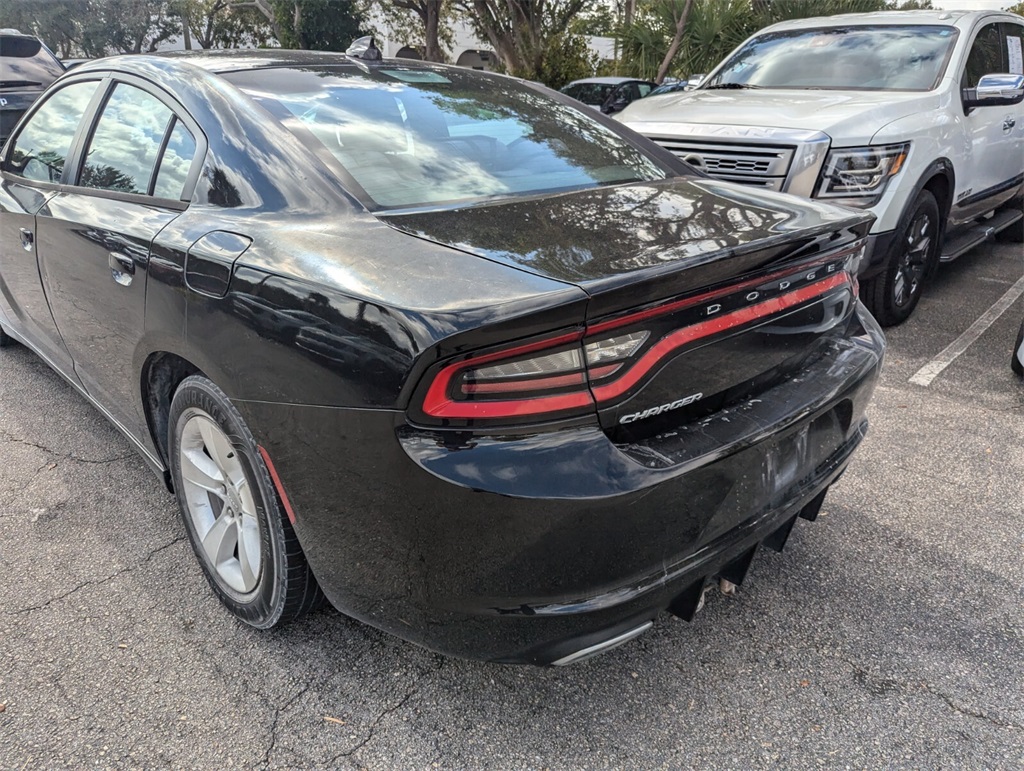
<point>889,633</point>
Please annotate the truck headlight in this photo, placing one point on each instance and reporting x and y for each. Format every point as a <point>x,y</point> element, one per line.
<point>857,176</point>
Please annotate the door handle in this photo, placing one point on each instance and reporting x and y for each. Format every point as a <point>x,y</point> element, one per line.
<point>122,268</point>
<point>27,239</point>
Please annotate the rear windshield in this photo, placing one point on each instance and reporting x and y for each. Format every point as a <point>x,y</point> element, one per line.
<point>883,58</point>
<point>413,137</point>
<point>25,63</point>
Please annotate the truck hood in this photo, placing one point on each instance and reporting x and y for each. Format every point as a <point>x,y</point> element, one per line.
<point>669,237</point>
<point>848,117</point>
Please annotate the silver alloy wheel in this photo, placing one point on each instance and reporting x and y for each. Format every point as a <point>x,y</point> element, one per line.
<point>220,502</point>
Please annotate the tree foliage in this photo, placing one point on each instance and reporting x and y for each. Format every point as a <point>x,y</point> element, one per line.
<point>425,24</point>
<point>319,25</point>
<point>127,26</point>
<point>216,24</point>
<point>534,39</point>
<point>56,22</point>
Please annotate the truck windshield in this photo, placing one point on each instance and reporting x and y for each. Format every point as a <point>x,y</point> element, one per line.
<point>421,136</point>
<point>882,58</point>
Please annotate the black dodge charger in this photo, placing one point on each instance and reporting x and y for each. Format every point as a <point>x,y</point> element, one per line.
<point>482,367</point>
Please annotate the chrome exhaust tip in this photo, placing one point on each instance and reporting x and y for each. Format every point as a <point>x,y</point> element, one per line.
<point>601,647</point>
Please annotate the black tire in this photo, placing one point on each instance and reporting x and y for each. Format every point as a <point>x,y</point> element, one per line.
<point>1015,363</point>
<point>5,339</point>
<point>893,294</point>
<point>284,585</point>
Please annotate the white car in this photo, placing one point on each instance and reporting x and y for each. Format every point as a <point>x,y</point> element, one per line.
<point>916,116</point>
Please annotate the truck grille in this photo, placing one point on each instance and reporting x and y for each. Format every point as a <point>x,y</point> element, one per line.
<point>760,165</point>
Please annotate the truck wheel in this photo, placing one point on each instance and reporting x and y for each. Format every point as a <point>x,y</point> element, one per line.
<point>893,294</point>
<point>244,542</point>
<point>6,339</point>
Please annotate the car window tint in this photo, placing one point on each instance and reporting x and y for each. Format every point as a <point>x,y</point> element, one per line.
<point>986,55</point>
<point>175,164</point>
<point>124,147</point>
<point>412,137</point>
<point>645,89</point>
<point>42,146</point>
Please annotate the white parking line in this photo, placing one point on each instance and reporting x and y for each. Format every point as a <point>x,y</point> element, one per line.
<point>931,370</point>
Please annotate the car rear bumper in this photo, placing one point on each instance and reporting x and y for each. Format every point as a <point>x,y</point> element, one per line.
<point>531,548</point>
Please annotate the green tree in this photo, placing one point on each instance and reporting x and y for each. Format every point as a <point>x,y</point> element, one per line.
<point>422,21</point>
<point>55,22</point>
<point>712,29</point>
<point>534,39</point>
<point>1017,9</point>
<point>127,26</point>
<point>216,24</point>
<point>319,25</point>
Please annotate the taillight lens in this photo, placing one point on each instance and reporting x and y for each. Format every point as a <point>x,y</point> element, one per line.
<point>574,373</point>
<point>547,377</point>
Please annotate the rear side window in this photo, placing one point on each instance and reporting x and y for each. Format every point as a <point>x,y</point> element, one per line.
<point>42,147</point>
<point>126,144</point>
<point>175,163</point>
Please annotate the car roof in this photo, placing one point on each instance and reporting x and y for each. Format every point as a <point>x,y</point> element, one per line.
<point>888,18</point>
<point>221,62</point>
<point>233,60</point>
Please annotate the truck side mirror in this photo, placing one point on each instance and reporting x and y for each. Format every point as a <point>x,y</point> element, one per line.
<point>995,91</point>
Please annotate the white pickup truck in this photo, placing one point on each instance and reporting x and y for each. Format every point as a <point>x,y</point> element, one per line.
<point>916,116</point>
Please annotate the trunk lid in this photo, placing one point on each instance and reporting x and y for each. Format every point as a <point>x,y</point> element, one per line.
<point>631,244</point>
<point>700,292</point>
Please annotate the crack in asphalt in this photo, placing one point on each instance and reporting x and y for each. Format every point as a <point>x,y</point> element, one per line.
<point>96,581</point>
<point>280,710</point>
<point>962,710</point>
<point>879,686</point>
<point>11,439</point>
<point>376,723</point>
<point>372,732</point>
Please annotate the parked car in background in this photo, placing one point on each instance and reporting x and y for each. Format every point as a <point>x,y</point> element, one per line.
<point>27,67</point>
<point>447,347</point>
<point>610,95</point>
<point>915,116</point>
<point>1017,359</point>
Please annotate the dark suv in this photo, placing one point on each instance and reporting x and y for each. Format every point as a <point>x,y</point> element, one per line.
<point>27,67</point>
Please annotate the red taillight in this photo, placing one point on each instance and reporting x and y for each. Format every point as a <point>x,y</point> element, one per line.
<point>543,377</point>
<point>574,373</point>
<point>681,337</point>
